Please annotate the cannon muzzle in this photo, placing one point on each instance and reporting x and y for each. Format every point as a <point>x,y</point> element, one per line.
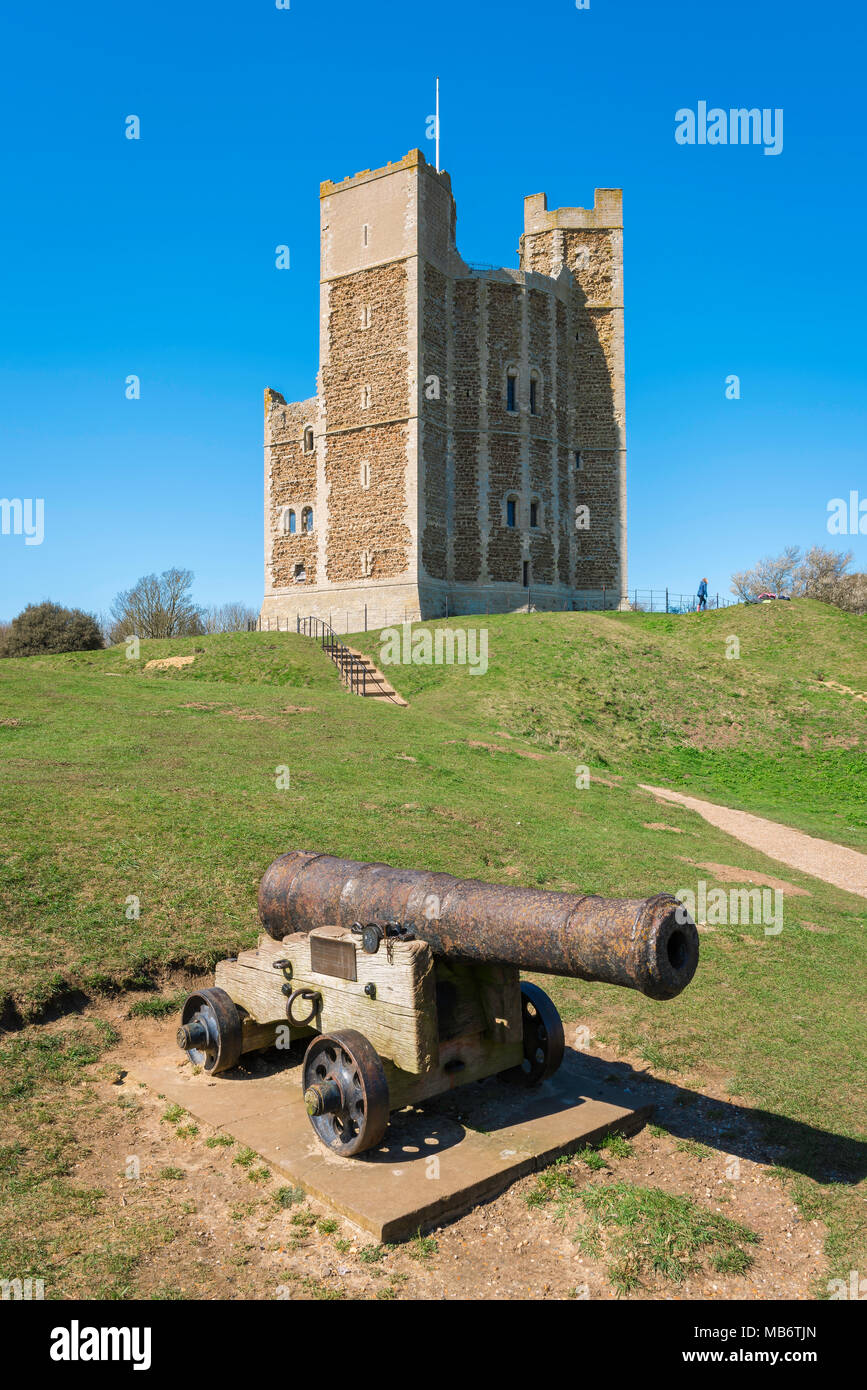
<point>648,944</point>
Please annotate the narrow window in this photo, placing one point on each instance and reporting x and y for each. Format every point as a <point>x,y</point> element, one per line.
<point>300,574</point>
<point>365,235</point>
<point>511,389</point>
<point>289,522</point>
<point>365,316</point>
<point>534,393</point>
<point>534,513</point>
<point>578,460</point>
<point>526,574</point>
<point>365,398</point>
<point>307,519</point>
<point>511,512</point>
<point>308,439</point>
<point>364,473</point>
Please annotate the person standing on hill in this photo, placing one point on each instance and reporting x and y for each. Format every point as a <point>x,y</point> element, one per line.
<point>702,596</point>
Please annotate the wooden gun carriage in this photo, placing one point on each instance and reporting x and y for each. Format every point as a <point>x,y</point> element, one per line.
<point>408,984</point>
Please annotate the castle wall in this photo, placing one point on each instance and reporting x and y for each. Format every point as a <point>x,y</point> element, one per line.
<point>366,391</point>
<point>588,242</point>
<point>290,484</point>
<point>468,407</point>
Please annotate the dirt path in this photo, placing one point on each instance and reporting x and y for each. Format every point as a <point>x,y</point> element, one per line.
<point>845,868</point>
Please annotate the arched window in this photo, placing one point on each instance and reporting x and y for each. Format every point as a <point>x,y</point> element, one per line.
<point>288,521</point>
<point>535,392</point>
<point>308,439</point>
<point>307,519</point>
<point>512,389</point>
<point>365,398</point>
<point>511,511</point>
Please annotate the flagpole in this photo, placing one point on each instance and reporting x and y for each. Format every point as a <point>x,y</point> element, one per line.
<point>438,125</point>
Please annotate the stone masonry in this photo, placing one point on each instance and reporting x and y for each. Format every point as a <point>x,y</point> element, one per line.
<point>465,448</point>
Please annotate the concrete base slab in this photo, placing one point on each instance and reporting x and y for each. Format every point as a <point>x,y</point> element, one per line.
<point>437,1160</point>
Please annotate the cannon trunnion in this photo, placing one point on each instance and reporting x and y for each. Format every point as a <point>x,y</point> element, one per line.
<point>406,985</point>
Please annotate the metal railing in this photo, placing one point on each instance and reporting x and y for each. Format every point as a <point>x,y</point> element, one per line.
<point>354,670</point>
<point>667,601</point>
<point>538,600</point>
<point>535,599</point>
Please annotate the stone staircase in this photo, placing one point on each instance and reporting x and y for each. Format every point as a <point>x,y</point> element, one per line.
<point>375,686</point>
<point>357,670</point>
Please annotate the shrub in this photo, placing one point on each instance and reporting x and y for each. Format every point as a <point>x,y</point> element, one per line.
<point>47,628</point>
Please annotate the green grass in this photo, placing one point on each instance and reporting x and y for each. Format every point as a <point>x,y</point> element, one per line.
<point>124,792</point>
<point>652,697</point>
<point>643,1232</point>
<point>159,1007</point>
<point>288,1196</point>
<point>640,1232</point>
<point>423,1247</point>
<point>304,1218</point>
<point>372,1254</point>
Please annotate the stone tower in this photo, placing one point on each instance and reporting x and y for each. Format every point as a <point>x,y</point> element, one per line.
<point>466,442</point>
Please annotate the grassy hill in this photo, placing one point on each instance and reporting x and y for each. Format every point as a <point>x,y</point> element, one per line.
<point>657,698</point>
<point>127,791</point>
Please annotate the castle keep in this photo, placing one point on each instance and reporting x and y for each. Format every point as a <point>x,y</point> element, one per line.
<point>466,442</point>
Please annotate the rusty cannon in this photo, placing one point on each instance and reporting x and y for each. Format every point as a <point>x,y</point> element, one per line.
<point>408,983</point>
<point>637,943</point>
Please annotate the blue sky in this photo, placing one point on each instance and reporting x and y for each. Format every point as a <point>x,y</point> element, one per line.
<point>156,257</point>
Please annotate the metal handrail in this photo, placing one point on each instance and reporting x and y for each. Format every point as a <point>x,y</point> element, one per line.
<point>353,669</point>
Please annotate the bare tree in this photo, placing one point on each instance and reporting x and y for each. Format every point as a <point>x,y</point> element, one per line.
<point>157,606</point>
<point>774,575</point>
<point>850,592</point>
<point>228,617</point>
<point>820,571</point>
<point>824,575</point>
<point>820,574</point>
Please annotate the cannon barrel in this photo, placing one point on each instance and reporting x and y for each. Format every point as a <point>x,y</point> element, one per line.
<point>648,944</point>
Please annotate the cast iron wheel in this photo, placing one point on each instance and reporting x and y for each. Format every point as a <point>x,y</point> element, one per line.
<point>543,1035</point>
<point>210,1031</point>
<point>345,1091</point>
